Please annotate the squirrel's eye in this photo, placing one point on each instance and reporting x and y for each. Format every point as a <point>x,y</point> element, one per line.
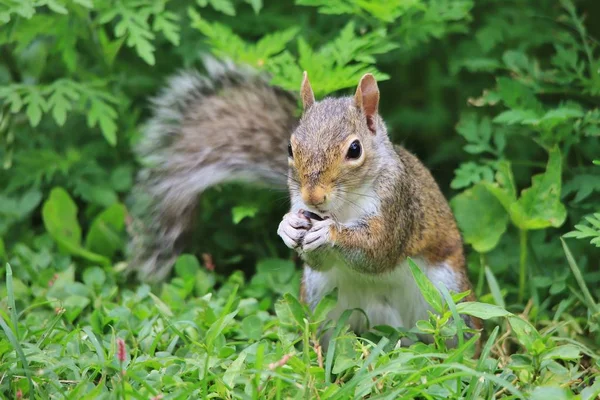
<point>354,150</point>
<point>290,152</point>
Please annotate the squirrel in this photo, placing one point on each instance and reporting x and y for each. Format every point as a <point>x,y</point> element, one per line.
<point>360,205</point>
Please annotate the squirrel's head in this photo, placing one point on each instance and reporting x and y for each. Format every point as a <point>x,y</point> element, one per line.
<point>334,153</point>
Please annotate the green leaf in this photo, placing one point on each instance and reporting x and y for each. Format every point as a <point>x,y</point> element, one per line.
<point>591,392</point>
<point>85,3</point>
<point>121,178</point>
<point>470,173</point>
<point>59,214</point>
<point>284,315</point>
<point>56,7</point>
<point>110,48</point>
<point>322,309</point>
<point>431,295</point>
<point>327,7</point>
<point>296,309</point>
<point>35,105</point>
<point>477,133</point>
<point>74,305</point>
<point>96,193</point>
<point>482,310</point>
<point>526,333</point>
<point>224,6</point>
<point>504,189</point>
<point>241,212</point>
<point>494,287</point>
<point>252,326</point>
<point>133,25</point>
<point>561,115</point>
<point>511,117</point>
<point>19,207</point>
<point>217,328</point>
<point>256,5</point>
<point>104,236</point>
<point>60,218</point>
<point>584,185</point>
<point>61,100</point>
<point>518,96</point>
<point>584,231</point>
<point>94,277</point>
<point>276,272</point>
<point>186,266</point>
<point>237,367</point>
<point>425,327</point>
<point>564,352</point>
<point>168,23</point>
<point>539,206</point>
<point>101,112</point>
<point>546,393</point>
<point>22,8</point>
<point>481,218</point>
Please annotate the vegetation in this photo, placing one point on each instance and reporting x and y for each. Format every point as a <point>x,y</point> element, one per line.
<point>499,98</point>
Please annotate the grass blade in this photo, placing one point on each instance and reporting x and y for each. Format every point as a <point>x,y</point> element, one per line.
<point>11,300</point>
<point>494,287</point>
<point>331,346</point>
<point>482,357</point>
<point>19,350</point>
<point>579,278</point>
<point>457,319</point>
<point>96,343</point>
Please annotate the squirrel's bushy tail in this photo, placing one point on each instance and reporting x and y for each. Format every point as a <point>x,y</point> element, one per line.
<point>230,125</point>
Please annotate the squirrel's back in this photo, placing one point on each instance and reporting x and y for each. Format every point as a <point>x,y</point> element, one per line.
<point>228,126</point>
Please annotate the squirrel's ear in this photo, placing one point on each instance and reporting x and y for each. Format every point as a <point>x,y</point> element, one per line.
<point>306,93</point>
<point>367,98</point>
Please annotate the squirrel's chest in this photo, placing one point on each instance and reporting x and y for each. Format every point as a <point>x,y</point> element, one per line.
<point>391,299</point>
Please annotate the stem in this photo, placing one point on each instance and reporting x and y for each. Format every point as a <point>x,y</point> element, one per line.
<point>122,383</point>
<point>522,264</point>
<point>306,351</point>
<point>581,30</point>
<point>482,264</point>
<point>204,382</point>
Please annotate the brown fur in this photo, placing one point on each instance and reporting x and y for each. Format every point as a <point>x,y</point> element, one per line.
<point>413,218</point>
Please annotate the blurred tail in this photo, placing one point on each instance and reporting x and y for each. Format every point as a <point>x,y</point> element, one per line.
<point>228,126</point>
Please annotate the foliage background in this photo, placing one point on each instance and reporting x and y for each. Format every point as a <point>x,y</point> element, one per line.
<point>499,98</point>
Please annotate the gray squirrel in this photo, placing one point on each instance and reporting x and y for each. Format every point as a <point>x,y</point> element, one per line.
<point>360,205</point>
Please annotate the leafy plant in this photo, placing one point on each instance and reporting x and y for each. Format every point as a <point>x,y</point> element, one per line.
<point>585,231</point>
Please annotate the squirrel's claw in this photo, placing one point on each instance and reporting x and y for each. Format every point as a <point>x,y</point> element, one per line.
<point>292,230</point>
<point>318,235</point>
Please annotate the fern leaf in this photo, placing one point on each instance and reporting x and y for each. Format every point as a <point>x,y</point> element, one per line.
<point>585,232</point>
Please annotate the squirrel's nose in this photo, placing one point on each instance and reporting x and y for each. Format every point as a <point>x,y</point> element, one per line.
<point>314,197</point>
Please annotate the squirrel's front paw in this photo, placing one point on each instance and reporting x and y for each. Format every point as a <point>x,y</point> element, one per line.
<point>292,229</point>
<point>319,234</point>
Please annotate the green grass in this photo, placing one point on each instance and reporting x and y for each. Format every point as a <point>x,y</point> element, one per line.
<point>498,98</point>
<point>206,336</point>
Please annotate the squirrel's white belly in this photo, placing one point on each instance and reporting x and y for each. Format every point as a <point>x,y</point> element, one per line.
<point>389,299</point>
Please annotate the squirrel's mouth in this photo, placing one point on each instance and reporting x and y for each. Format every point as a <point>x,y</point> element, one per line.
<point>316,210</point>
